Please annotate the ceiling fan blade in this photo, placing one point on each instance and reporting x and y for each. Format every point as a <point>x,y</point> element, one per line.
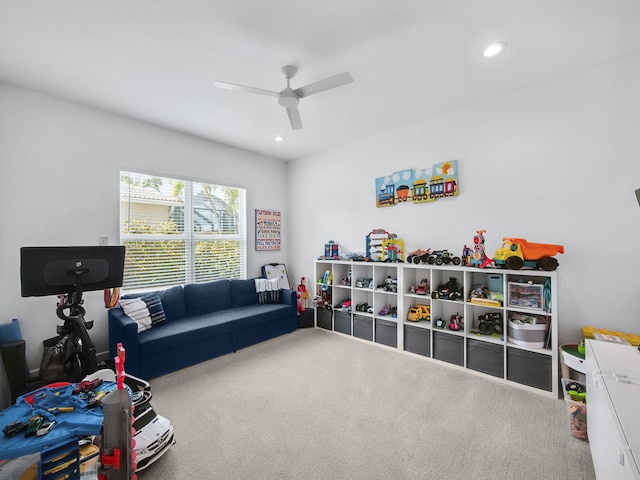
<point>326,84</point>
<point>294,118</point>
<point>242,88</point>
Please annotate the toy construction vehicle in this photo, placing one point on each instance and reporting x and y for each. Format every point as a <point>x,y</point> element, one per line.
<point>419,312</point>
<point>516,253</point>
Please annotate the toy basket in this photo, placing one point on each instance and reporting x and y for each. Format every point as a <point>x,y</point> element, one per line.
<point>527,335</point>
<point>577,409</point>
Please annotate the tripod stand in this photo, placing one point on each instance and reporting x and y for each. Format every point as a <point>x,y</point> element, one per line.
<point>79,351</point>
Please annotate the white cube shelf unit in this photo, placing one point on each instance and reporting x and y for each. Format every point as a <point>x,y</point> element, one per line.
<point>382,294</point>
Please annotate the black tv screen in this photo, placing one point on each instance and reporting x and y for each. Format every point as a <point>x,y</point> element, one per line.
<point>62,270</point>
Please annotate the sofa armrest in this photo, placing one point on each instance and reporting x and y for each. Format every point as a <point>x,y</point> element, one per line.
<point>124,329</point>
<point>289,297</point>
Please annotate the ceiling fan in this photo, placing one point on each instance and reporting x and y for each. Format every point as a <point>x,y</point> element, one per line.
<point>289,98</point>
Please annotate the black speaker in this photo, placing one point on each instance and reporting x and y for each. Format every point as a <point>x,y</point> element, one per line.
<point>15,367</point>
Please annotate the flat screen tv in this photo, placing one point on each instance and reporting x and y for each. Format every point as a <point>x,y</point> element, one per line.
<point>63,270</point>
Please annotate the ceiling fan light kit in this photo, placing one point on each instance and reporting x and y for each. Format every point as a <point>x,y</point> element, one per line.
<point>290,98</point>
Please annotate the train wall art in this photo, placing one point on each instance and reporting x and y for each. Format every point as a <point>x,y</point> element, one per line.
<point>420,185</point>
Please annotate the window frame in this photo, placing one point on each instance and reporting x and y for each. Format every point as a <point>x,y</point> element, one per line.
<point>189,234</point>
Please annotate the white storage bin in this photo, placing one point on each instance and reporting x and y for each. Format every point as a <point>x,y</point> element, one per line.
<point>527,335</point>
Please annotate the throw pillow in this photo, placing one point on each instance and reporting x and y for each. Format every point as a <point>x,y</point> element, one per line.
<point>147,311</point>
<point>268,290</point>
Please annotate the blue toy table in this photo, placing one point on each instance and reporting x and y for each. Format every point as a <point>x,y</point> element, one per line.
<point>69,425</point>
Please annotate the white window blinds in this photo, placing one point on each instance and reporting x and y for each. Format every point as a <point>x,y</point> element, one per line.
<point>176,231</point>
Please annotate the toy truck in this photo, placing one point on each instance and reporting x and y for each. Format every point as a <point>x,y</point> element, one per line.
<point>418,256</point>
<point>443,257</point>
<point>516,253</point>
<point>419,312</point>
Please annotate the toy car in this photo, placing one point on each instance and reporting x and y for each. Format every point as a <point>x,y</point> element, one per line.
<point>456,322</point>
<point>443,257</point>
<point>386,310</point>
<point>422,288</point>
<point>364,282</point>
<point>87,385</point>
<point>489,323</point>
<point>419,312</point>
<point>13,428</point>
<point>345,305</point>
<point>45,428</point>
<point>418,256</point>
<point>34,425</point>
<point>389,285</point>
<point>449,291</point>
<point>153,433</point>
<point>364,307</point>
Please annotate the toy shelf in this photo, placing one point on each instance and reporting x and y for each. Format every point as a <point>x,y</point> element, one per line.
<point>493,321</point>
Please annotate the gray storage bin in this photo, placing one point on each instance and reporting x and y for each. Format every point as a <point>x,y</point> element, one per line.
<point>386,332</point>
<point>363,327</point>
<point>529,368</point>
<point>305,319</point>
<point>324,318</point>
<point>448,348</point>
<point>417,340</point>
<point>485,357</point>
<point>342,322</point>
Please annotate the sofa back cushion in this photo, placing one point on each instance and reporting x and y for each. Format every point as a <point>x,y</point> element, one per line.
<point>243,292</point>
<point>207,297</point>
<point>174,303</point>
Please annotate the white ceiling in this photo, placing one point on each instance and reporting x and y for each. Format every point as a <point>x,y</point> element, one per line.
<point>157,60</point>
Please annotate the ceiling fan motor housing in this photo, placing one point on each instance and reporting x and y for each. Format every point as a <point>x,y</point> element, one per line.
<point>288,98</point>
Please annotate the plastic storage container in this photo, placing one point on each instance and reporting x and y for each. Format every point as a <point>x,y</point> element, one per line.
<point>526,295</point>
<point>633,339</point>
<point>577,407</point>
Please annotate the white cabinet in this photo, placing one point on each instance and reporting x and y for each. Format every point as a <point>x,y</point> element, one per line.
<point>464,330</point>
<point>613,395</point>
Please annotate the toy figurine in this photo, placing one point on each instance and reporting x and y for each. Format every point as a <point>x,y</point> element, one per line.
<point>478,256</point>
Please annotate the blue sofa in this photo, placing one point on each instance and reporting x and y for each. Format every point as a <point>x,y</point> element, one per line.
<point>203,321</point>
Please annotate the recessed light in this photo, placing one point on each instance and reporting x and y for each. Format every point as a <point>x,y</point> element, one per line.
<point>279,139</point>
<point>494,49</point>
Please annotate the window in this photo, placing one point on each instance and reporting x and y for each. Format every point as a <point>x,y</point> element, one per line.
<point>178,232</point>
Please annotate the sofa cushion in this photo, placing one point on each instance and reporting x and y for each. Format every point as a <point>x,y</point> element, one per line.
<point>243,292</point>
<point>173,302</point>
<point>208,326</point>
<point>147,311</point>
<point>207,297</point>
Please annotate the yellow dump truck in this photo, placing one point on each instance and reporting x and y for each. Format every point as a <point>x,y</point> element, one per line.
<point>516,253</point>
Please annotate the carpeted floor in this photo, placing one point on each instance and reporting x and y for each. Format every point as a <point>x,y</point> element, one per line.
<point>318,405</point>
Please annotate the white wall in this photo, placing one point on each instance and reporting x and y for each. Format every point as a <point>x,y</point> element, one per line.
<point>556,163</point>
<point>59,164</point>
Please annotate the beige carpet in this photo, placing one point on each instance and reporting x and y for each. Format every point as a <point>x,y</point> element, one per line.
<point>318,405</point>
